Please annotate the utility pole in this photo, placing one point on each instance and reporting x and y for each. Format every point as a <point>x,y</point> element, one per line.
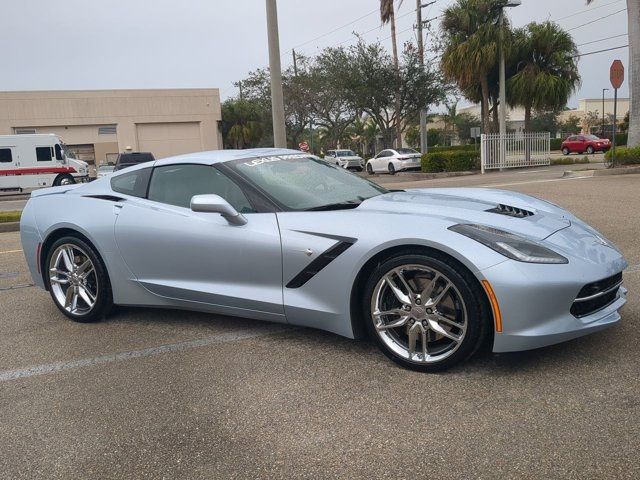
<point>277,98</point>
<point>295,62</point>
<point>423,111</point>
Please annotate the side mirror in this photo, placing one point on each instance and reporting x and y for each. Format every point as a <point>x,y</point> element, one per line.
<point>216,204</point>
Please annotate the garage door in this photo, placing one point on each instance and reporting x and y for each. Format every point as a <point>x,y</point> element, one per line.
<point>168,139</point>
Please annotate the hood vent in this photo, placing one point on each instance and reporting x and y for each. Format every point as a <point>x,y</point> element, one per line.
<point>511,211</point>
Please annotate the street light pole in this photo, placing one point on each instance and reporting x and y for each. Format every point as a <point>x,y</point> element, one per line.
<point>603,120</point>
<point>277,98</point>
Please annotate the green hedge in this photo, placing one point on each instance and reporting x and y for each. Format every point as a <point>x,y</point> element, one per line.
<point>450,161</point>
<point>625,156</point>
<point>454,148</point>
<point>13,216</point>
<point>569,160</point>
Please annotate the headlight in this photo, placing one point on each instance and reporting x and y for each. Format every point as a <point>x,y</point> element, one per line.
<point>508,244</point>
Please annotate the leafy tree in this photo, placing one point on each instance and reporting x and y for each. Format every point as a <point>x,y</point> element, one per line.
<point>471,31</point>
<point>633,12</point>
<point>570,125</point>
<point>241,125</point>
<point>591,119</point>
<point>544,121</point>
<point>546,69</point>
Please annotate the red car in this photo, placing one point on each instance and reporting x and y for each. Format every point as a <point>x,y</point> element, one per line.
<point>585,143</point>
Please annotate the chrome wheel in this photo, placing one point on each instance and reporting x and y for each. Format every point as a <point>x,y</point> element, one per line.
<point>419,314</point>
<point>73,278</point>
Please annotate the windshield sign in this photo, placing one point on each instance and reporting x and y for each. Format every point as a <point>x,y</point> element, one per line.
<point>304,182</point>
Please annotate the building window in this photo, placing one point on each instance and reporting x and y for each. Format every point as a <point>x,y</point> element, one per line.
<point>25,131</point>
<point>44,154</point>
<point>107,130</point>
<point>5,155</point>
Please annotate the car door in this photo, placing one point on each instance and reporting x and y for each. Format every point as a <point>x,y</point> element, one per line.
<point>379,160</point>
<point>198,257</point>
<point>581,144</point>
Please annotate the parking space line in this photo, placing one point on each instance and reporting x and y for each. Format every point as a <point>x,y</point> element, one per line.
<point>533,181</point>
<point>11,251</point>
<point>228,337</point>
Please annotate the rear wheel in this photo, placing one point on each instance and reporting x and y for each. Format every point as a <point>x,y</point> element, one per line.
<point>77,280</point>
<point>64,179</point>
<point>590,150</point>
<point>424,313</point>
<point>565,151</point>
<point>392,169</point>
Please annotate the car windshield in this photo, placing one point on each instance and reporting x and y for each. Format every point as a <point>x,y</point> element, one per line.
<point>592,137</point>
<point>345,153</point>
<point>301,182</point>
<point>106,168</point>
<point>405,151</point>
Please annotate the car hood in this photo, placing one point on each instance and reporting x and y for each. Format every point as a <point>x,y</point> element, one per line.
<point>506,210</point>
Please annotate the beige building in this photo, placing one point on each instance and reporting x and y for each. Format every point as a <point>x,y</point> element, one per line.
<point>98,124</point>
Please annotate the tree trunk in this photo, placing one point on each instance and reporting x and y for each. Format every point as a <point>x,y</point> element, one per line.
<point>633,11</point>
<point>527,118</point>
<point>396,65</point>
<point>485,105</point>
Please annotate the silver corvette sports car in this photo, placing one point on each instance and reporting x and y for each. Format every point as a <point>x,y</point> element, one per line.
<point>430,274</point>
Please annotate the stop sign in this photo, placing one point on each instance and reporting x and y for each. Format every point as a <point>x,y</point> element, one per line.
<point>617,74</point>
<point>304,146</point>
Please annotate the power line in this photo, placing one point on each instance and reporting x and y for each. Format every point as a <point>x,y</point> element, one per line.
<point>596,20</point>
<point>603,39</point>
<point>586,10</point>
<point>601,51</point>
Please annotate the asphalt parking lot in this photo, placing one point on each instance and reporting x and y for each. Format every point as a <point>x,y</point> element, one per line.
<point>170,394</point>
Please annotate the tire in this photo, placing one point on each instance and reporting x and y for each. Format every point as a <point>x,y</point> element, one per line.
<point>392,169</point>
<point>64,179</point>
<point>369,169</point>
<point>566,151</point>
<point>590,150</point>
<point>463,299</point>
<point>90,282</point>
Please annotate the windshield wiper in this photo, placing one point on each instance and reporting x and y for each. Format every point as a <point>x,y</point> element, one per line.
<point>335,206</point>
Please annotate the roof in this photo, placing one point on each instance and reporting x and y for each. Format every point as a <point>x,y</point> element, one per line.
<point>219,156</point>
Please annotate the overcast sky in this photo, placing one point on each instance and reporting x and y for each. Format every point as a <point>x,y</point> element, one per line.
<point>80,44</point>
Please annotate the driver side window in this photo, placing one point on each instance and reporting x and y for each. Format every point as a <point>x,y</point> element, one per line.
<point>176,184</point>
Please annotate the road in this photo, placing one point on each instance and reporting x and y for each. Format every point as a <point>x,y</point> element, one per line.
<point>169,394</point>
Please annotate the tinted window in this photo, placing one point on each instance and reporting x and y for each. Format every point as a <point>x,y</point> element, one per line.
<point>405,151</point>
<point>176,184</point>
<point>5,155</point>
<point>133,183</point>
<point>58,152</point>
<point>44,154</point>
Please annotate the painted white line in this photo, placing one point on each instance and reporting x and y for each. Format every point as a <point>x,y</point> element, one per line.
<point>533,171</point>
<point>531,181</point>
<point>11,251</point>
<point>233,336</point>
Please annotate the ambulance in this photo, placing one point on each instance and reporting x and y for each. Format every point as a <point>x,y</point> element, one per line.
<point>28,162</point>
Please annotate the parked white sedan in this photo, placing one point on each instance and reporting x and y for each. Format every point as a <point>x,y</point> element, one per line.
<point>394,160</point>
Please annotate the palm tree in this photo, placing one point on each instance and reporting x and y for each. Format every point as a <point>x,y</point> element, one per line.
<point>471,34</point>
<point>633,12</point>
<point>546,73</point>
<point>388,15</point>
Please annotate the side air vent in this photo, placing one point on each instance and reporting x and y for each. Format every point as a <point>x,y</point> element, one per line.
<point>511,211</point>
<point>109,198</point>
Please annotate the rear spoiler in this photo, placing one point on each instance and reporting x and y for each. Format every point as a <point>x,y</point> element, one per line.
<point>54,190</point>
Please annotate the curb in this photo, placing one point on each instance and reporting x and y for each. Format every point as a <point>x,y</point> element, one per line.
<point>9,227</point>
<point>601,173</point>
<point>430,176</point>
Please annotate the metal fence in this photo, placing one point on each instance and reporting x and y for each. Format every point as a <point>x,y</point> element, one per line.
<point>515,150</point>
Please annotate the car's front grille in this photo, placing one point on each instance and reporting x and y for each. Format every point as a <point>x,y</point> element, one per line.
<point>596,296</point>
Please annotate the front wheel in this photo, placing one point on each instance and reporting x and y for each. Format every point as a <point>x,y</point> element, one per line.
<point>77,280</point>
<point>590,150</point>
<point>369,169</point>
<point>423,312</point>
<point>64,179</point>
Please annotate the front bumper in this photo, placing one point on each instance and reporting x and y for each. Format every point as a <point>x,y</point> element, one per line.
<point>535,300</point>
<point>351,163</point>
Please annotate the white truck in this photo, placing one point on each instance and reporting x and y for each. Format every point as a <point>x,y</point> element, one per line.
<point>34,161</point>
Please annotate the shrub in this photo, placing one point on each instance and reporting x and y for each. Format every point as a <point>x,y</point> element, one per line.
<point>455,148</point>
<point>13,216</point>
<point>621,139</point>
<point>625,156</point>
<point>450,161</point>
<point>556,143</point>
